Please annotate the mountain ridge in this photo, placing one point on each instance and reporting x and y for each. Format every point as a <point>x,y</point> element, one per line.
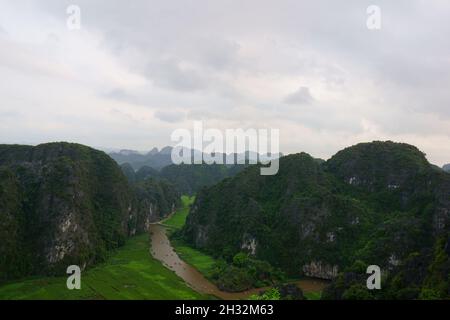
<point>375,202</point>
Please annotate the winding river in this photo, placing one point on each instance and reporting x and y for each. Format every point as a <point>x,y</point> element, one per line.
<point>162,250</point>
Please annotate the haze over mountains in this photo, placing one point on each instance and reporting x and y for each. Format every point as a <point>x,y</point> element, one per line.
<point>158,159</point>
<point>186,178</point>
<point>155,158</point>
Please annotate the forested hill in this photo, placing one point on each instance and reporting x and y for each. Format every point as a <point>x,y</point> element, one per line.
<point>63,204</point>
<point>186,179</point>
<point>374,203</point>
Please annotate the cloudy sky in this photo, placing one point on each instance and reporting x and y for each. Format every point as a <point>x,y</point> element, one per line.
<point>137,70</point>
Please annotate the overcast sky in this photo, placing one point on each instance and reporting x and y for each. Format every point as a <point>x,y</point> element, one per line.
<point>137,70</point>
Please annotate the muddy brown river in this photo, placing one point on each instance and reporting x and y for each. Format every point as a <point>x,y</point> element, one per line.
<point>162,250</point>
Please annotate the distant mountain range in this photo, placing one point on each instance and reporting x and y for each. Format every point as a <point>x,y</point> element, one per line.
<point>158,159</point>
<point>446,167</point>
<point>155,158</point>
<point>186,178</point>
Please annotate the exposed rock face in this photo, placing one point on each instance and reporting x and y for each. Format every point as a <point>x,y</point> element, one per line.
<point>446,167</point>
<point>154,201</point>
<point>375,202</point>
<point>71,204</point>
<point>249,245</point>
<point>63,204</point>
<point>317,269</point>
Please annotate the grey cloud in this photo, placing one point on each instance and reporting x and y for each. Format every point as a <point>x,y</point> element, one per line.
<point>169,74</point>
<point>217,53</point>
<point>171,116</point>
<point>300,97</point>
<point>232,61</point>
<point>119,94</point>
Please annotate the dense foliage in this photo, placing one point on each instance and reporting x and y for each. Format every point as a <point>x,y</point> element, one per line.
<point>187,179</point>
<point>243,273</point>
<point>63,204</point>
<point>288,291</point>
<point>271,294</point>
<point>154,200</point>
<point>377,203</point>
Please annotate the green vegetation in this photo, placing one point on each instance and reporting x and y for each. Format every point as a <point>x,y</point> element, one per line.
<point>288,291</point>
<point>178,219</point>
<point>65,203</point>
<point>198,259</point>
<point>130,273</point>
<point>378,203</point>
<point>239,274</point>
<point>188,179</point>
<point>313,295</point>
<point>374,203</point>
<point>156,199</point>
<point>271,294</point>
<point>244,273</point>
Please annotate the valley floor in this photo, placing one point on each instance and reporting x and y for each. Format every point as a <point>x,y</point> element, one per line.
<point>199,260</point>
<point>130,273</point>
<point>312,288</point>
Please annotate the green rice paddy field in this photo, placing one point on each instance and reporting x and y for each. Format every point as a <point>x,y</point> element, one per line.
<point>130,273</point>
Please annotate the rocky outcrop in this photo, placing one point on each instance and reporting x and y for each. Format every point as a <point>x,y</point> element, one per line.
<point>63,204</point>
<point>374,202</point>
<point>249,244</point>
<point>154,201</point>
<point>72,205</point>
<point>317,269</point>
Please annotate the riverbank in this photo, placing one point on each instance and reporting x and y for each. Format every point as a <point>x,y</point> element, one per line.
<point>177,220</point>
<point>131,273</point>
<point>196,258</point>
<point>181,254</point>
